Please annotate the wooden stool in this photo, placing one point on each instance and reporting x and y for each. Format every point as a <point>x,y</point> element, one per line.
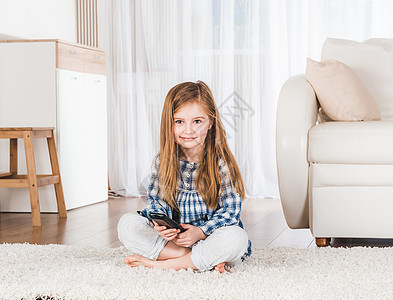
<point>32,180</point>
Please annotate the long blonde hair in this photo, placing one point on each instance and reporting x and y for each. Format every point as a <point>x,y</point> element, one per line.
<point>208,179</point>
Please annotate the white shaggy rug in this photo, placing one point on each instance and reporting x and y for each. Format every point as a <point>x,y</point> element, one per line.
<point>78,272</point>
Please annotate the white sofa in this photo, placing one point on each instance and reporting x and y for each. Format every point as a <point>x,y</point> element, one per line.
<point>336,178</point>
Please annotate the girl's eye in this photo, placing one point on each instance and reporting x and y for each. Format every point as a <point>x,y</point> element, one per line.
<point>198,121</point>
<point>178,121</point>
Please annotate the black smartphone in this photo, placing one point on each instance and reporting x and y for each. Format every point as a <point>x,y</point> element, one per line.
<point>164,220</point>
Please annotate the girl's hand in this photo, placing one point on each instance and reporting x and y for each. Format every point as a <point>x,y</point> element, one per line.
<point>167,234</point>
<point>190,236</point>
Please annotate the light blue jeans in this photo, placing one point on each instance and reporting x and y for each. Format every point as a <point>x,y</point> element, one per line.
<point>226,244</point>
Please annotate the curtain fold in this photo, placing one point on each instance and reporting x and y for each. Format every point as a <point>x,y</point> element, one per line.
<point>243,49</point>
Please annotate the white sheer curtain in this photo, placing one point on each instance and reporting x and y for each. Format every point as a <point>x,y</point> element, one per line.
<point>243,49</point>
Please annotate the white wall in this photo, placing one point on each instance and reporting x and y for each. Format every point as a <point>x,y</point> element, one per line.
<point>38,19</point>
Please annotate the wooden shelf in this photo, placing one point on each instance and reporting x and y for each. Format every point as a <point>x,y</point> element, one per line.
<point>13,180</point>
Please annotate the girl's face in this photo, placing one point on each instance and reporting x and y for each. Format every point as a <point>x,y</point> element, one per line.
<point>191,124</point>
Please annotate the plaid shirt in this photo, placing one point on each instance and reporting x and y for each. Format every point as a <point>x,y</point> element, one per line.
<point>193,209</point>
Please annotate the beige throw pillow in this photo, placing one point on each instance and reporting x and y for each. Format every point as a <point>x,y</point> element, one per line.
<point>341,93</point>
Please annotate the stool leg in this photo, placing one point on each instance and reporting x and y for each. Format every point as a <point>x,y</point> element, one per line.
<point>14,156</point>
<point>56,171</point>
<point>32,178</point>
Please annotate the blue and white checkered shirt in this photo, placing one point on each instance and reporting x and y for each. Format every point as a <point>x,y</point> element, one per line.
<point>193,209</point>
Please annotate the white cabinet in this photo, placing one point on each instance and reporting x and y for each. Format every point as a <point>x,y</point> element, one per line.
<point>56,84</point>
<point>82,131</point>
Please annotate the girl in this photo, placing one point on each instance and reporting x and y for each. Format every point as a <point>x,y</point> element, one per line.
<point>195,180</point>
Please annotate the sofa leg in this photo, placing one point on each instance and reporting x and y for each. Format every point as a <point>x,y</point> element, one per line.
<point>322,242</point>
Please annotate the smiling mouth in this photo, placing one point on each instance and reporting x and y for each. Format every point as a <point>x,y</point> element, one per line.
<point>187,139</point>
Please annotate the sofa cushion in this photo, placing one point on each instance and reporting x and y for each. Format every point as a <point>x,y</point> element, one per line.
<point>372,61</point>
<point>341,92</point>
<point>351,142</point>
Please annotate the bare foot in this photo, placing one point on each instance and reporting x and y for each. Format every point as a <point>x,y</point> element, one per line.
<point>183,262</point>
<point>220,267</point>
<point>138,260</point>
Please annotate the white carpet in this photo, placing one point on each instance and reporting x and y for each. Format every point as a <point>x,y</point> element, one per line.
<point>76,272</point>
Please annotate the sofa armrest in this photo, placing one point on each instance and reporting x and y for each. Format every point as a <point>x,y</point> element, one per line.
<point>297,112</point>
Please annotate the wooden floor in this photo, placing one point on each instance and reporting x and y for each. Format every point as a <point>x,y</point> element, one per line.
<point>95,225</point>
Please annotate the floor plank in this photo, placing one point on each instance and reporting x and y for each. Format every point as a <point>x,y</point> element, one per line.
<point>96,225</point>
